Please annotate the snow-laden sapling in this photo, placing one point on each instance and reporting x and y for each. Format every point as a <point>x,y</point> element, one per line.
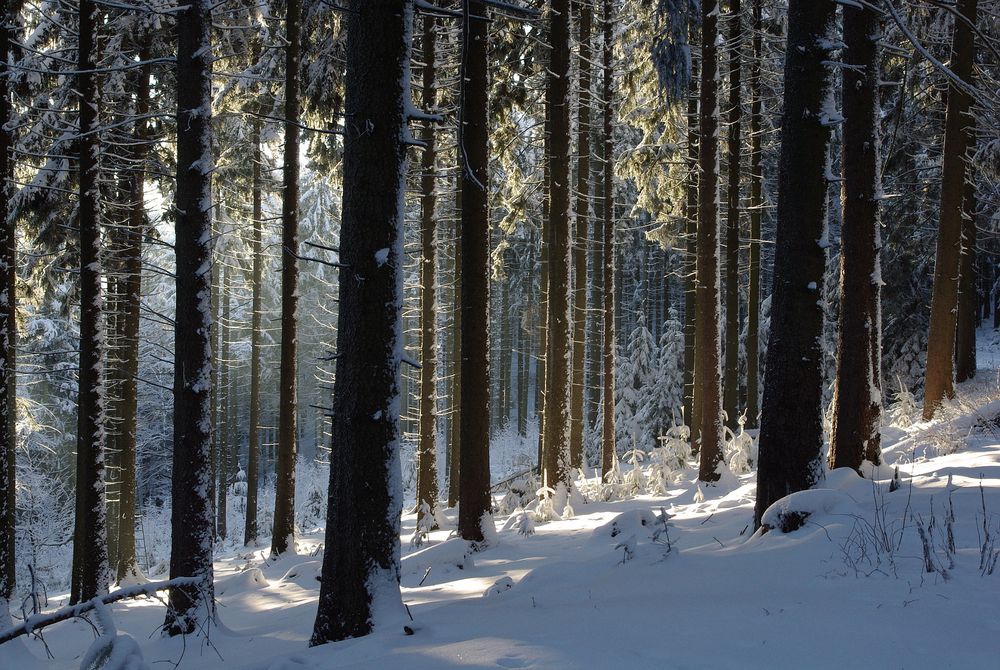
<point>545,511</point>
<point>634,481</point>
<point>628,549</point>
<point>662,533</point>
<point>425,524</point>
<point>740,449</point>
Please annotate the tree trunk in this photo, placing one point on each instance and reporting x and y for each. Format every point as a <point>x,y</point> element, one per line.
<point>791,434</point>
<point>557,396</point>
<point>283,535</point>
<point>455,462</point>
<point>131,284</point>
<point>427,477</point>
<point>731,386</point>
<point>944,303</point>
<point>582,238</point>
<point>858,386</point>
<point>474,442</point>
<point>91,539</point>
<point>691,250</point>
<point>224,469</point>
<point>8,311</point>
<point>707,382</point>
<point>191,515</point>
<point>608,244</point>
<point>359,590</point>
<point>756,210</point>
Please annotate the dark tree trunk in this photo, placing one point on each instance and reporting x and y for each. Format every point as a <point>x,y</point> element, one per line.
<point>756,211</point>
<point>91,536</point>
<point>474,430</point>
<point>731,385</point>
<point>707,382</point>
<point>557,395</point>
<point>582,237</point>
<point>791,436</point>
<point>427,476</point>
<point>944,303</point>
<point>191,515</point>
<point>608,244</point>
<point>283,536</point>
<point>361,563</point>
<point>691,247</point>
<point>858,388</point>
<point>968,298</point>
<point>131,287</point>
<point>8,310</point>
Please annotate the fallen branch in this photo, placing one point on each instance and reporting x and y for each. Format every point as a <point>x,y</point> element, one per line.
<point>39,621</point>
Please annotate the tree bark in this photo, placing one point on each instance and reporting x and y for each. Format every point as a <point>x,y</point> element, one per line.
<point>455,441</point>
<point>582,239</point>
<point>131,284</point>
<point>608,243</point>
<point>359,590</point>
<point>756,211</point>
<point>8,311</point>
<point>938,383</point>
<point>474,442</point>
<point>427,476</point>
<point>557,396</point>
<point>91,538</point>
<point>791,436</point>
<point>191,515</point>
<point>224,469</point>
<point>731,385</point>
<point>858,386</point>
<point>283,536</point>
<point>691,249</point>
<point>707,382</point>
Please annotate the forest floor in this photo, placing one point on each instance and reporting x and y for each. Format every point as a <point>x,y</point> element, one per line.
<point>610,588</point>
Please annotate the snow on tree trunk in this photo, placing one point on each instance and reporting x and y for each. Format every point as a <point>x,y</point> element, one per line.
<point>90,538</point>
<point>359,590</point>
<point>756,207</point>
<point>608,245</point>
<point>191,527</point>
<point>731,385</point>
<point>791,437</point>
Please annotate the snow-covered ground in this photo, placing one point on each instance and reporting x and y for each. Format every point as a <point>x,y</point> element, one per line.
<point>670,581</point>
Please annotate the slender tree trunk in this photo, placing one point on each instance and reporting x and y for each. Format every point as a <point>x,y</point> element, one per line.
<point>8,312</point>
<point>938,384</point>
<point>94,574</point>
<point>359,590</point>
<point>455,462</point>
<point>968,298</point>
<point>691,250</point>
<point>283,535</point>
<point>707,382</point>
<point>131,284</point>
<point>582,237</point>
<point>858,390</point>
<point>224,469</point>
<point>608,244</point>
<point>427,476</point>
<point>756,210</point>
<point>474,443</point>
<point>191,515</point>
<point>791,434</point>
<point>731,386</point>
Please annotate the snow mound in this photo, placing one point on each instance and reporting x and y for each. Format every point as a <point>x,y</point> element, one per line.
<point>305,574</point>
<point>242,582</point>
<point>499,587</point>
<point>627,523</point>
<point>793,511</point>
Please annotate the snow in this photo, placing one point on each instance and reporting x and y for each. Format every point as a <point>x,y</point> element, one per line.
<point>675,580</point>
